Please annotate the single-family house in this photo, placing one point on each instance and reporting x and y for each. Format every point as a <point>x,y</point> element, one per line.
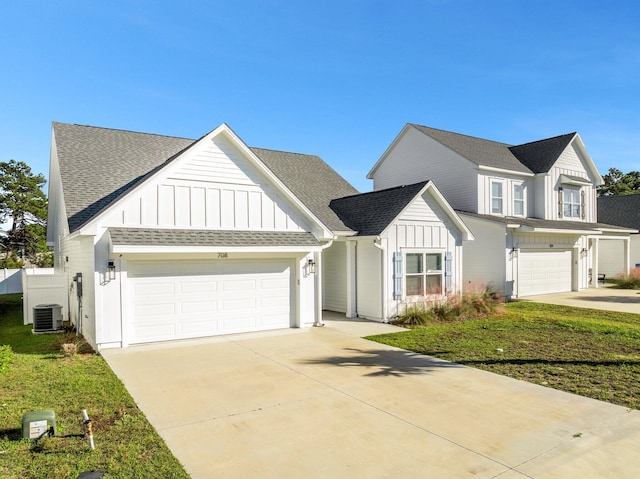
<point>621,210</point>
<point>531,207</point>
<point>166,238</point>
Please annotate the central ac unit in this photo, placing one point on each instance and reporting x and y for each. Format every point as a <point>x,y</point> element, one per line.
<point>47,317</point>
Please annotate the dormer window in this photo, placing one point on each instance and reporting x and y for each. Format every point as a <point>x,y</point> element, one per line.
<point>496,198</point>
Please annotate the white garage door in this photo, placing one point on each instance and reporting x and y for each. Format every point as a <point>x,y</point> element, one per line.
<point>544,271</point>
<point>176,300</point>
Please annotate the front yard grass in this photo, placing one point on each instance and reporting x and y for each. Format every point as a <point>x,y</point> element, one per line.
<point>42,377</point>
<point>588,352</point>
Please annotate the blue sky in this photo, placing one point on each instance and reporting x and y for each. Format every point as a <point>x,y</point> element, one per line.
<point>338,79</point>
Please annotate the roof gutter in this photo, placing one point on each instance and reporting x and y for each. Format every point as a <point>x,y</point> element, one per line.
<point>501,170</point>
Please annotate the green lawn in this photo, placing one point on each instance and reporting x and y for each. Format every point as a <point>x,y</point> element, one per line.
<point>41,377</point>
<point>583,351</point>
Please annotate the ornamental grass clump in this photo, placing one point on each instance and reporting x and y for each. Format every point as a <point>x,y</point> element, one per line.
<point>628,281</point>
<point>470,305</point>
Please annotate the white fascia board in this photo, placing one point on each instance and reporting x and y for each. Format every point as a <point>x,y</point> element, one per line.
<point>124,249</point>
<point>592,166</point>
<point>393,144</point>
<point>625,231</point>
<point>503,171</point>
<point>530,229</point>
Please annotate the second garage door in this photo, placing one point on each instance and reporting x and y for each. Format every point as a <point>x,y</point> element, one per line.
<point>177,300</point>
<point>544,271</point>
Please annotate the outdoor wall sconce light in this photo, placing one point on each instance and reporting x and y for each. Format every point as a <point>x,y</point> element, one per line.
<point>514,252</point>
<point>111,270</point>
<point>583,252</point>
<point>311,266</point>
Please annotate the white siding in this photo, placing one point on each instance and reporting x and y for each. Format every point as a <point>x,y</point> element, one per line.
<point>334,276</point>
<point>484,258</point>
<point>611,255</point>
<point>570,163</point>
<point>417,157</point>
<point>215,187</point>
<point>423,225</point>
<point>369,280</point>
<point>508,183</point>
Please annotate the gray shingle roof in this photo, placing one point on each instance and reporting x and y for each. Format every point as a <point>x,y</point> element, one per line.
<point>100,165</point>
<point>622,210</point>
<point>313,182</point>
<point>535,157</point>
<point>543,224</point>
<point>215,238</point>
<point>370,213</point>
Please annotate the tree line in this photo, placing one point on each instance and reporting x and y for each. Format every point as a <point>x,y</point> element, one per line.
<point>618,183</point>
<point>23,212</point>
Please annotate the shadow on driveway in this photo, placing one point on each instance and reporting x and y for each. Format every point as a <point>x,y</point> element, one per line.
<point>615,299</point>
<point>385,362</point>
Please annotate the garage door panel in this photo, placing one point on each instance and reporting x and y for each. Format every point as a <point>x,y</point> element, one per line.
<point>544,271</point>
<point>155,310</point>
<point>193,286</point>
<point>209,298</point>
<point>243,285</point>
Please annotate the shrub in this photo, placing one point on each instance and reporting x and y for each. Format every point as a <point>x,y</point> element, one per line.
<point>628,281</point>
<point>415,314</point>
<point>6,357</point>
<point>455,308</point>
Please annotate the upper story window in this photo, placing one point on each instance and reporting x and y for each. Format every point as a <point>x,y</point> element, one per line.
<point>518,200</point>
<point>424,274</point>
<point>571,203</point>
<point>496,197</point>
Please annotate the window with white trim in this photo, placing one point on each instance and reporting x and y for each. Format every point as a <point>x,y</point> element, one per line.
<point>571,203</point>
<point>424,273</point>
<point>496,197</point>
<point>518,199</point>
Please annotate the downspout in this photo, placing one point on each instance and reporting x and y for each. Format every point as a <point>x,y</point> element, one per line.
<point>384,278</point>
<point>319,279</point>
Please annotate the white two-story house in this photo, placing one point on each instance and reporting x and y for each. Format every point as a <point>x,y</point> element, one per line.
<point>531,207</point>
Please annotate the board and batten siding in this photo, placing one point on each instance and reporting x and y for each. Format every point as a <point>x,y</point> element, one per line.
<point>213,188</point>
<point>425,226</point>
<point>368,280</point>
<point>569,163</point>
<point>417,157</point>
<point>334,277</point>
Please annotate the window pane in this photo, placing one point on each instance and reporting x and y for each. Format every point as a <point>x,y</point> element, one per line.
<point>434,262</point>
<point>496,205</point>
<point>518,192</point>
<point>576,211</point>
<point>567,210</point>
<point>434,284</point>
<point>414,285</point>
<point>518,208</point>
<point>496,190</point>
<point>414,263</point>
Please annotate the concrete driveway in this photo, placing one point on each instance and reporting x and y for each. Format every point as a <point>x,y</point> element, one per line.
<point>324,403</point>
<point>610,299</point>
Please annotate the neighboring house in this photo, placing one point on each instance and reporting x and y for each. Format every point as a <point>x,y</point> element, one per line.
<point>624,211</point>
<point>167,238</point>
<point>531,207</point>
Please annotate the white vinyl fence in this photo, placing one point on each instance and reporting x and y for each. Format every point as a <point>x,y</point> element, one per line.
<point>42,286</point>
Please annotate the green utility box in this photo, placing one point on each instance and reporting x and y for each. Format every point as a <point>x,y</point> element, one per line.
<point>36,424</point>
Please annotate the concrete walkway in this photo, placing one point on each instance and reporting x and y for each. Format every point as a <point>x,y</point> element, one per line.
<point>324,403</point>
<point>610,299</point>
